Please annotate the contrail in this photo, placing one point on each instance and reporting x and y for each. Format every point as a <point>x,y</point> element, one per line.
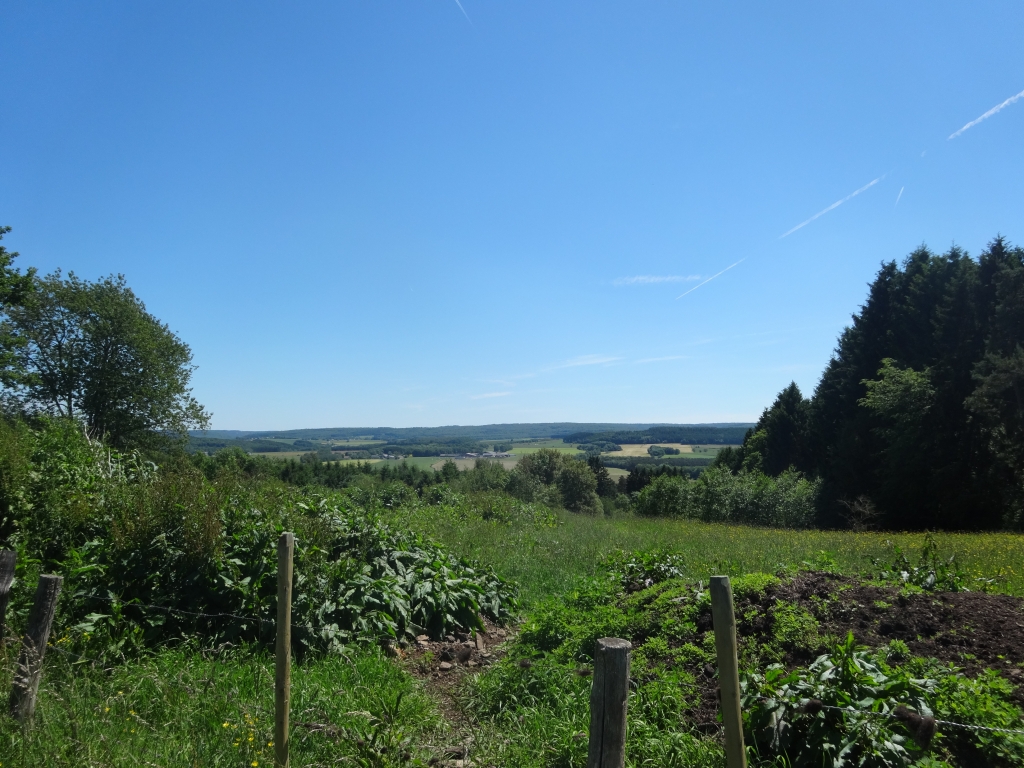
<point>463,11</point>
<point>834,205</point>
<point>898,197</point>
<point>710,279</point>
<point>987,115</point>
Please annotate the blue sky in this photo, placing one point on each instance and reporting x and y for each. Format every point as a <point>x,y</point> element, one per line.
<point>405,214</point>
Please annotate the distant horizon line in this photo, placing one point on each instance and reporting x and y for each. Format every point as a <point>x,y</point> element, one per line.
<point>603,424</point>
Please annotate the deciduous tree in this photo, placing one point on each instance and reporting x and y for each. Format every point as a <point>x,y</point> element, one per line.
<point>91,351</point>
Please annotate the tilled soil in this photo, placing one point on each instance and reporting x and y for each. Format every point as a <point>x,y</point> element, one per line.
<point>973,630</point>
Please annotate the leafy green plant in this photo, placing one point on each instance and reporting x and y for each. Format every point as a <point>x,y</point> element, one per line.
<point>827,714</point>
<point>932,572</point>
<point>639,570</point>
<point>356,580</point>
<point>852,708</point>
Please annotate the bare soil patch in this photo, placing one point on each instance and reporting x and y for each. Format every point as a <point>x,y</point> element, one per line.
<point>442,665</point>
<point>972,630</point>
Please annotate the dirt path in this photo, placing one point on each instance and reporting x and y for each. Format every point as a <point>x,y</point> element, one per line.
<point>442,666</point>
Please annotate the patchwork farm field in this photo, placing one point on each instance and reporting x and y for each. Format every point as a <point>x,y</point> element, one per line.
<point>523,448</point>
<point>640,449</point>
<point>464,464</point>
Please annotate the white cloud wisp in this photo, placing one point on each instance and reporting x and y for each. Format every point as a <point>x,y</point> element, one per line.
<point>987,115</point>
<point>710,279</point>
<point>834,205</point>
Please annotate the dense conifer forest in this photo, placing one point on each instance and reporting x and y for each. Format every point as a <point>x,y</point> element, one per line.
<point>918,419</point>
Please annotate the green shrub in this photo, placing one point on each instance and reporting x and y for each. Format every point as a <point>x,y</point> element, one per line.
<point>718,496</point>
<point>194,538</point>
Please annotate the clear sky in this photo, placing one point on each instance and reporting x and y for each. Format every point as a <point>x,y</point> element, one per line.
<point>421,213</point>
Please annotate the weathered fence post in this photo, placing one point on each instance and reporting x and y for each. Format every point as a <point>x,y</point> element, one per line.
<point>33,648</point>
<point>608,704</point>
<point>283,676</point>
<point>7,560</point>
<point>728,670</point>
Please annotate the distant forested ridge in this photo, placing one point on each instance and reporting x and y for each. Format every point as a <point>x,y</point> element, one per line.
<point>431,441</point>
<point>688,434</point>
<point>918,419</point>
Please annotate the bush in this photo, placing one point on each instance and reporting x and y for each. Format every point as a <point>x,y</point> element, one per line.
<point>718,495</point>
<point>556,480</point>
<point>485,476</point>
<point>578,487</point>
<point>198,537</point>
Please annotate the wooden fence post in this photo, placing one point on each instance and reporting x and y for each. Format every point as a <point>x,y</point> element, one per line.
<point>7,560</point>
<point>728,670</point>
<point>33,649</point>
<point>608,704</point>
<point>283,676</point>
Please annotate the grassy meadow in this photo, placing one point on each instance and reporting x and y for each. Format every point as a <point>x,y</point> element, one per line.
<point>549,561</point>
<point>216,708</point>
<point>195,704</point>
<point>203,708</point>
<point>523,448</point>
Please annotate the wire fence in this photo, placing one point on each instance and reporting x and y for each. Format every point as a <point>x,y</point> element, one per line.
<point>606,697</point>
<point>904,718</point>
<point>132,603</point>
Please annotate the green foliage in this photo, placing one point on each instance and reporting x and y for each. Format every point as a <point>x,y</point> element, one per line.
<point>605,487</point>
<point>998,406</point>
<point>542,466</point>
<point>720,496</point>
<point>919,411</point>
<point>182,707</point>
<point>983,701</point>
<point>639,570</point>
<point>485,476</point>
<point>92,351</point>
<point>932,572</point>
<point>687,434</point>
<point>540,702</point>
<point>578,488</point>
<point>789,715</point>
<point>557,480</point>
<point>657,451</point>
<point>191,539</point>
<point>15,288</point>
<point>599,447</point>
<point>850,708</point>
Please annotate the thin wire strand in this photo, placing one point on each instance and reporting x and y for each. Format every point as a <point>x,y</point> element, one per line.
<point>939,722</point>
<point>167,609</point>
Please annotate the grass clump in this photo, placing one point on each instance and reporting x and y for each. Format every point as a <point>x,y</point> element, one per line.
<point>181,707</point>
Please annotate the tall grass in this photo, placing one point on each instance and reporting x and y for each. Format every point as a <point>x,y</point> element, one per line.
<point>548,561</point>
<point>184,708</point>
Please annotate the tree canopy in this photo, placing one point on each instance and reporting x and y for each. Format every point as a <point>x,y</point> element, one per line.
<point>921,408</point>
<point>15,287</point>
<point>91,351</point>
